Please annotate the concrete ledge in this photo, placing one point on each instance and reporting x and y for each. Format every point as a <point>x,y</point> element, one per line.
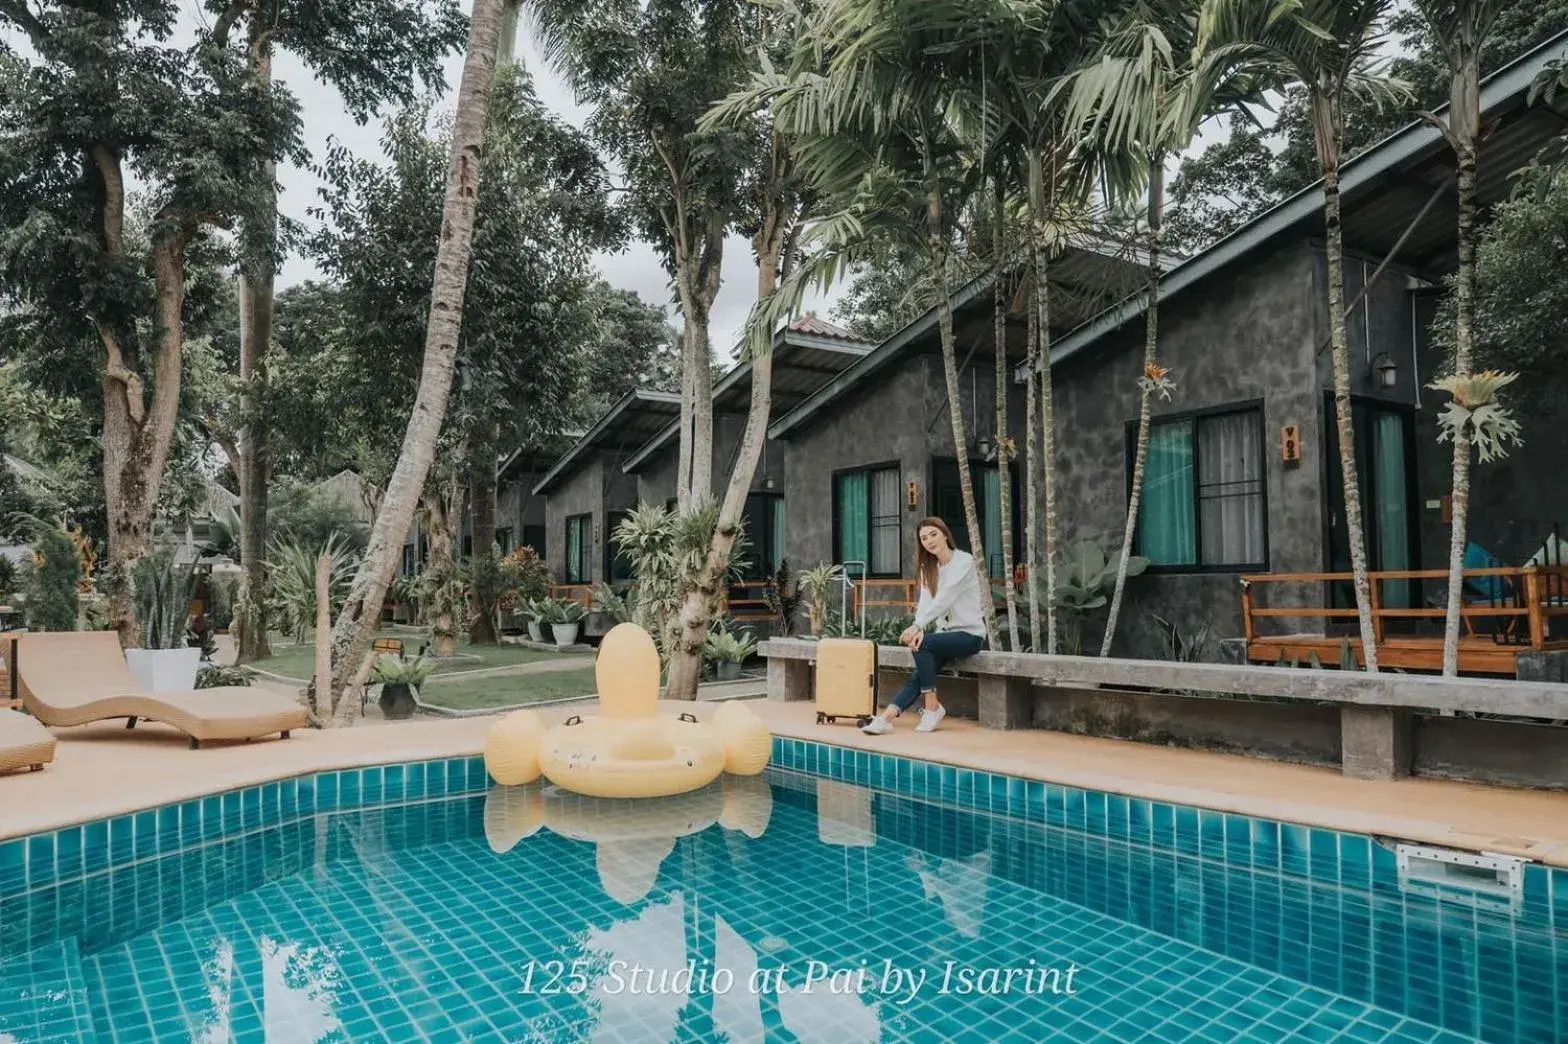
<point>1375,742</point>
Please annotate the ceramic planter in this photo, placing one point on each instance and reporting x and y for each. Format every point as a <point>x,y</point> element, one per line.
<point>565,633</point>
<point>727,670</point>
<point>535,631</point>
<point>164,670</point>
<point>397,702</point>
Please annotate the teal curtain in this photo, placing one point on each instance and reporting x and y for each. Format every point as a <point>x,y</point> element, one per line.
<point>1393,518</point>
<point>854,517</point>
<point>1167,533</point>
<point>575,531</point>
<point>991,521</point>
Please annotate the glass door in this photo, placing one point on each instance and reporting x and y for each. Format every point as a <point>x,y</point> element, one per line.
<point>1385,475</point>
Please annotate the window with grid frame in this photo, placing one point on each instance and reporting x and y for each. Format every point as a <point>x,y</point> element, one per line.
<point>868,520</point>
<point>578,549</point>
<point>1203,503</point>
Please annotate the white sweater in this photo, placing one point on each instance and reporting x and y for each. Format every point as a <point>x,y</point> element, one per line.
<point>956,604</point>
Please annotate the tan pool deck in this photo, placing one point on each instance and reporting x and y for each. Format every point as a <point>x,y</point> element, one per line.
<point>103,770</point>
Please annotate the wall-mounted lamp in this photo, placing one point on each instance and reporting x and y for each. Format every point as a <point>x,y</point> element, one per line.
<point>986,447</point>
<point>1384,370</point>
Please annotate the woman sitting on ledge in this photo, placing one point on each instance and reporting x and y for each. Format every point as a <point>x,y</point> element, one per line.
<point>950,598</point>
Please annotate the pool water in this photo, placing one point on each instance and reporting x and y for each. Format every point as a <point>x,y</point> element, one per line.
<point>793,907</point>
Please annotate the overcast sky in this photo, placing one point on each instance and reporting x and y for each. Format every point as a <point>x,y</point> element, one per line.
<point>636,268</point>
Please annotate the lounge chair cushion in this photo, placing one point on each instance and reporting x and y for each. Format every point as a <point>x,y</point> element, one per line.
<point>24,742</point>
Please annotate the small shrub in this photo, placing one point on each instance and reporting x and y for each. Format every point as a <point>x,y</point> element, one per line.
<point>526,574</point>
<point>211,676</point>
<point>49,579</point>
<point>395,670</point>
<point>728,647</point>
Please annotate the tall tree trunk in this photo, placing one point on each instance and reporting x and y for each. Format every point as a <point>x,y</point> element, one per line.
<point>1040,303</point>
<point>1150,355</point>
<point>441,515</point>
<point>685,666</point>
<point>1004,454</point>
<point>697,279</point>
<point>483,451</point>
<point>955,413</point>
<point>362,611</point>
<point>259,239</point>
<point>1329,134</point>
<point>1464,118</point>
<point>137,436</point>
<point>1031,457</point>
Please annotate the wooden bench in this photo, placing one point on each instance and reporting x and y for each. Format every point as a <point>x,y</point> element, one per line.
<point>1376,710</point>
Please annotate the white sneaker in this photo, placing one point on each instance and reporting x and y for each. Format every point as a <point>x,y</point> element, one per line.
<point>930,719</point>
<point>878,726</point>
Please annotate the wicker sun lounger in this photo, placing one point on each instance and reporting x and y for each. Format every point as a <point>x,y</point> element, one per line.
<point>76,677</point>
<point>24,742</point>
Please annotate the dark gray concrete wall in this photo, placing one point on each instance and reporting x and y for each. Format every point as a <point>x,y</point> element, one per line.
<point>581,493</point>
<point>656,482</point>
<point>1245,335</point>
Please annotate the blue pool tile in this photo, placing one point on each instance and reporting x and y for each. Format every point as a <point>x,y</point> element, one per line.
<point>1324,854</point>
<point>40,860</point>
<point>348,788</point>
<point>68,852</point>
<point>13,866</point>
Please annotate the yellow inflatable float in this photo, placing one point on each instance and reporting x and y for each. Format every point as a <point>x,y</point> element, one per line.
<point>629,750</point>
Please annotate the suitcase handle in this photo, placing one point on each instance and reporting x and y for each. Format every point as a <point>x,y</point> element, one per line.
<point>843,604</point>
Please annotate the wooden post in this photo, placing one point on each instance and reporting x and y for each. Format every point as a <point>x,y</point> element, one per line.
<point>1534,603</point>
<point>1377,616</point>
<point>1247,630</point>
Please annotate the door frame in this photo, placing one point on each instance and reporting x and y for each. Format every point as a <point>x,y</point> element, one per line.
<point>1329,468</point>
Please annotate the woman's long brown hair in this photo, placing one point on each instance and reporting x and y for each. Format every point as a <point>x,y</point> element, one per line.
<point>926,565</point>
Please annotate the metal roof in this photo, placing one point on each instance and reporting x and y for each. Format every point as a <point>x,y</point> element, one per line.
<point>639,414</point>
<point>1087,271</point>
<point>1382,190</point>
<point>803,360</point>
<point>537,457</point>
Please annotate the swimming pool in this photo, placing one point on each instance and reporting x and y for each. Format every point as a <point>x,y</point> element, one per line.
<point>852,897</point>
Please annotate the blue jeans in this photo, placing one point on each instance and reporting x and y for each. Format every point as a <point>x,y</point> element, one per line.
<point>935,650</point>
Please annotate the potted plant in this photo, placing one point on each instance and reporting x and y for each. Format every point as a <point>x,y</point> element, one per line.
<point>820,584</point>
<point>728,651</point>
<point>166,662</point>
<point>399,679</point>
<point>1085,583</point>
<point>564,618</point>
<point>532,610</point>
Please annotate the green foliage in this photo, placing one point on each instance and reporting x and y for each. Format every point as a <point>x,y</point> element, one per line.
<point>214,676</point>
<point>619,608</point>
<point>487,580</point>
<point>728,647</point>
<point>562,611</point>
<point>1088,577</point>
<point>783,594</point>
<point>527,574</point>
<point>395,670</point>
<point>1181,645</point>
<point>632,346</point>
<point>161,599</point>
<point>443,597</point>
<point>292,581</point>
<point>1235,180</point>
<point>7,577</point>
<point>666,550</point>
<point>820,586</point>
<point>301,514</point>
<point>49,578</point>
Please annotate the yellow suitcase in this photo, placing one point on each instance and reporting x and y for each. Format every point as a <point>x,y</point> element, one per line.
<point>846,680</point>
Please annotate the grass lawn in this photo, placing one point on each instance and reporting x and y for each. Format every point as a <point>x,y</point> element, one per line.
<point>515,690</point>
<point>298,661</point>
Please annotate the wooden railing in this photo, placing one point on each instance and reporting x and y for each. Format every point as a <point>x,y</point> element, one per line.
<point>1530,594</point>
<point>580,593</point>
<point>884,594</point>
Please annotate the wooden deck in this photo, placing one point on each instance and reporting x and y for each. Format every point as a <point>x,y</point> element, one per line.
<point>1497,630</point>
<point>1478,654</point>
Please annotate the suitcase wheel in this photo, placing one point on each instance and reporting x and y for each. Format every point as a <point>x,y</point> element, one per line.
<point>863,721</point>
<point>821,718</point>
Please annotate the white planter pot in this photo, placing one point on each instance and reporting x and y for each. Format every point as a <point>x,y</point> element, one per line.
<point>565,634</point>
<point>535,632</point>
<point>164,670</point>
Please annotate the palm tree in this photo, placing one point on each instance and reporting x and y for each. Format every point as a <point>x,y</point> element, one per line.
<point>1461,27</point>
<point>361,612</point>
<point>868,115</point>
<point>1329,47</point>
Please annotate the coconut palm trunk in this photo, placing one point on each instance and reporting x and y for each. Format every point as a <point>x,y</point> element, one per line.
<point>1040,304</point>
<point>1150,352</point>
<point>1004,456</point>
<point>1031,456</point>
<point>1326,115</point>
<point>955,411</point>
<point>441,515</point>
<point>1464,131</point>
<point>482,495</point>
<point>362,610</point>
